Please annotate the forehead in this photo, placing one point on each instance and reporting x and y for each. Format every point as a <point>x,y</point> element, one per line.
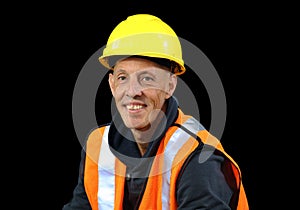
<point>132,64</point>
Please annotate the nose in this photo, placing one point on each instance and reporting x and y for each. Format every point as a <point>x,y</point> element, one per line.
<point>134,88</point>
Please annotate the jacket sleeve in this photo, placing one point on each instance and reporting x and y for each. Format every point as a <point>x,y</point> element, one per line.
<point>79,200</point>
<point>203,185</point>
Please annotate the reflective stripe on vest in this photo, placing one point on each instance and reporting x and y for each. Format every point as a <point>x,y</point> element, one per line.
<point>174,144</point>
<point>106,178</point>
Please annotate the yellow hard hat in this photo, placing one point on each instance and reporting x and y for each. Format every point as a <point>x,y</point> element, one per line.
<point>144,35</point>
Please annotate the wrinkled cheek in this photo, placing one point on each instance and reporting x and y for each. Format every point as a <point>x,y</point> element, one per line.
<point>160,101</point>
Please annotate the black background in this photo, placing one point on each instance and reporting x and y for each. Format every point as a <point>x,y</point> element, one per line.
<point>52,42</point>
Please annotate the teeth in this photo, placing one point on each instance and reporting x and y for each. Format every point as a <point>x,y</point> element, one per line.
<point>134,107</point>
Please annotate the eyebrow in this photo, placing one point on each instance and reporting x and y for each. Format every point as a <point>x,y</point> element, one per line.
<point>119,71</point>
<point>146,71</point>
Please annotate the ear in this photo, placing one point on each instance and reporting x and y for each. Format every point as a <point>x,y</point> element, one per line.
<point>172,85</point>
<point>111,81</point>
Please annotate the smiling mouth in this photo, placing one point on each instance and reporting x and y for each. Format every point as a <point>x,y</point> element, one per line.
<point>134,107</point>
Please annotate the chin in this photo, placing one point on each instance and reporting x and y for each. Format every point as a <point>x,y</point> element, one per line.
<point>135,125</point>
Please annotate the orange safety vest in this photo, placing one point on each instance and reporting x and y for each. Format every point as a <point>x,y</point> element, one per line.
<point>104,174</point>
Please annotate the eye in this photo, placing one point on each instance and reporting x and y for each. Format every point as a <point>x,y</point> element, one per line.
<point>147,79</point>
<point>121,78</point>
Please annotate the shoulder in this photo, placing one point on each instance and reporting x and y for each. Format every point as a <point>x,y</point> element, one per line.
<point>195,166</point>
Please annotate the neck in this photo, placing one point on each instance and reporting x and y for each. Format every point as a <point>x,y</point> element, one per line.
<point>142,138</point>
<point>143,148</point>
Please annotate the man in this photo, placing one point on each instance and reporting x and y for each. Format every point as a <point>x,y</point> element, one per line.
<point>149,156</point>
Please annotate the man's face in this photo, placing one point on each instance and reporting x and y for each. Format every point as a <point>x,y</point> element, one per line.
<point>140,88</point>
